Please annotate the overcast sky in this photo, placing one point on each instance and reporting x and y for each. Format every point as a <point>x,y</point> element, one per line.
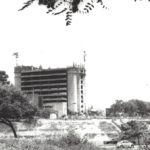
<point>116,42</point>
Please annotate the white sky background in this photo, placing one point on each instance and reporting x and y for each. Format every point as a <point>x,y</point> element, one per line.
<point>116,42</point>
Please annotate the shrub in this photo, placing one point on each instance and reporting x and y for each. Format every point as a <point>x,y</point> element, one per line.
<point>72,138</point>
<point>45,113</point>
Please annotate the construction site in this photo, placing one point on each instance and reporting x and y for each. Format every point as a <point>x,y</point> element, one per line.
<point>59,89</point>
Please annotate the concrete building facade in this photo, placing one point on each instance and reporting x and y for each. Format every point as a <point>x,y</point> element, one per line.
<point>60,89</point>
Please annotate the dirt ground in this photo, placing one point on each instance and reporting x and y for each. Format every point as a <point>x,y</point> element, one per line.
<point>96,130</point>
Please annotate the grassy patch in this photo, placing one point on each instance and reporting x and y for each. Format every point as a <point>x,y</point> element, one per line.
<point>69,141</point>
<point>106,126</point>
<point>39,144</point>
<point>109,129</point>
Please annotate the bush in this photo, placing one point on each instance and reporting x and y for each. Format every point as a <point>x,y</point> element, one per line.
<point>45,113</point>
<point>30,123</point>
<point>72,139</point>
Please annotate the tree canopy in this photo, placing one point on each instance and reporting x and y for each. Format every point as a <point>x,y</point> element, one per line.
<point>14,105</point>
<point>129,108</point>
<point>3,78</point>
<point>69,7</point>
<point>134,131</point>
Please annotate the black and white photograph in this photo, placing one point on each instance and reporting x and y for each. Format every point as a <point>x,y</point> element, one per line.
<point>75,75</point>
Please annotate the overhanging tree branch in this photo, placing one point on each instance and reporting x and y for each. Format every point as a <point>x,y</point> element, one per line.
<point>72,6</point>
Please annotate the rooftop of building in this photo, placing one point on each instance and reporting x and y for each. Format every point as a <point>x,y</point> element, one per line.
<point>40,68</point>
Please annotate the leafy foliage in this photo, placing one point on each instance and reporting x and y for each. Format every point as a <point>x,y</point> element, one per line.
<point>26,4</point>
<point>133,131</point>
<point>72,138</point>
<point>68,17</point>
<point>3,78</point>
<point>130,108</point>
<point>14,105</point>
<point>69,6</point>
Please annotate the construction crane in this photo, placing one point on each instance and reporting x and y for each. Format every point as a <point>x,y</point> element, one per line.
<point>16,57</point>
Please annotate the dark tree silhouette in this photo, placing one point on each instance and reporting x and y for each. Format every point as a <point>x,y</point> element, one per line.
<point>129,108</point>
<point>3,78</point>
<point>134,131</point>
<point>14,105</point>
<point>68,6</point>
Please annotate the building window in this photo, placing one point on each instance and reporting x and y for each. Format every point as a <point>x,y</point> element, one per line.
<point>81,106</point>
<point>81,96</point>
<point>81,91</point>
<point>81,81</point>
<point>81,101</point>
<point>82,111</point>
<point>81,86</point>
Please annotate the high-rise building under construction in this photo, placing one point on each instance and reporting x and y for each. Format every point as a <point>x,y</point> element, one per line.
<point>60,89</point>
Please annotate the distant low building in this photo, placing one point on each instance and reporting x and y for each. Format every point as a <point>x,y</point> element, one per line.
<point>60,89</point>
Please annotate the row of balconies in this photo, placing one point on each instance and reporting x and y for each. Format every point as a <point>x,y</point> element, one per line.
<point>46,90</point>
<point>60,93</point>
<point>53,95</point>
<point>53,71</point>
<point>43,83</point>
<point>56,92</point>
<point>63,94</point>
<point>58,86</point>
<point>42,80</point>
<point>43,75</point>
<point>48,101</point>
